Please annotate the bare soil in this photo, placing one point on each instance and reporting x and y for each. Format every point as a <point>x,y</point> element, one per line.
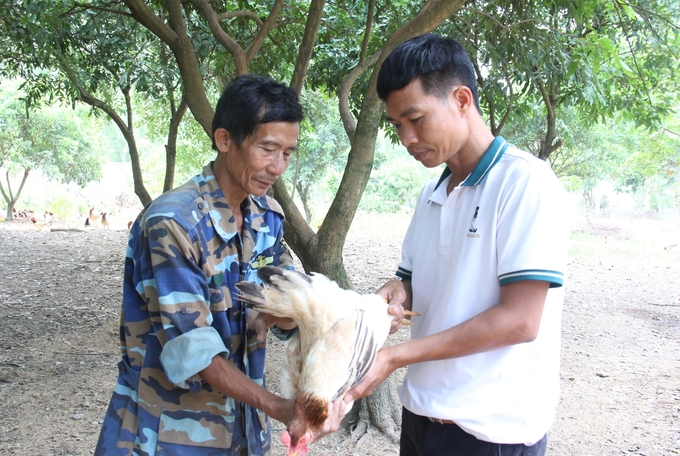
<point>60,294</point>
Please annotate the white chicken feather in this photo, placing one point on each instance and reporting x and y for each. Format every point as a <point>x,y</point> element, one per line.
<point>340,333</point>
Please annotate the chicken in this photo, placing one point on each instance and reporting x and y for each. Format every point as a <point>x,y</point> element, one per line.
<point>105,221</point>
<point>340,333</point>
<point>42,226</point>
<point>92,218</point>
<point>26,213</point>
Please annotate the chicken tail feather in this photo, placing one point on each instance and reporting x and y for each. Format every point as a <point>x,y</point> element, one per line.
<point>275,277</point>
<point>250,294</point>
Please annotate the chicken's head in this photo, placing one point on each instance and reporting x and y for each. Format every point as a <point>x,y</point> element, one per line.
<point>298,449</point>
<point>310,414</point>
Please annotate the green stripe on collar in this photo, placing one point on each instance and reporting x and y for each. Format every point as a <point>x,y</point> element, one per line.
<point>492,156</point>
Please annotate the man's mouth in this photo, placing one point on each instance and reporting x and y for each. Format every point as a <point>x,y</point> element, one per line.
<point>266,182</point>
<point>419,155</point>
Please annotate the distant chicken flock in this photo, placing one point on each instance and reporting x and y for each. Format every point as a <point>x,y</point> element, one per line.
<point>44,223</point>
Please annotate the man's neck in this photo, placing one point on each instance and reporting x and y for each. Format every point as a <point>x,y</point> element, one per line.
<point>469,156</point>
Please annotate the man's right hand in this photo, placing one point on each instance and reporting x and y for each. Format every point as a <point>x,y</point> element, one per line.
<point>397,295</point>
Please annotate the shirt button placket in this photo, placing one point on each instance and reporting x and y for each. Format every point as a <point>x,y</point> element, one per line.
<point>444,229</point>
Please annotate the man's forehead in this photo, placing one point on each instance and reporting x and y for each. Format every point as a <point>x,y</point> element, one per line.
<point>282,134</point>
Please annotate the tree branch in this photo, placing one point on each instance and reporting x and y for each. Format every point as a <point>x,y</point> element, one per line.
<point>175,36</point>
<point>86,97</point>
<point>343,94</point>
<point>269,24</point>
<point>346,85</point>
<point>248,14</point>
<point>9,198</point>
<point>546,97</point>
<point>360,159</point>
<point>15,198</point>
<point>670,131</point>
<point>95,8</point>
<point>145,16</point>
<point>221,36</point>
<point>497,22</point>
<point>367,31</point>
<point>632,53</point>
<point>508,109</point>
<point>171,147</point>
<point>128,107</point>
<point>298,232</point>
<point>307,46</point>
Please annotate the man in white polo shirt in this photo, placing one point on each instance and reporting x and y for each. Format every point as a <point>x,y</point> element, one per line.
<point>483,264</point>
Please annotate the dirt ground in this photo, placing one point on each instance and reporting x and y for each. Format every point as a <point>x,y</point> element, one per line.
<point>59,305</point>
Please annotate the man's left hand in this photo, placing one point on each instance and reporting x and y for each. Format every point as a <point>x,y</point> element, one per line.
<point>336,412</point>
<point>264,321</point>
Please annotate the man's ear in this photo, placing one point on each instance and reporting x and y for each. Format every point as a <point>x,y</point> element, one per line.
<point>463,97</point>
<point>222,139</point>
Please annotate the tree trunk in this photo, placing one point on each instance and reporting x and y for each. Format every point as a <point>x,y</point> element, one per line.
<point>10,198</point>
<point>171,146</point>
<point>648,199</point>
<point>380,409</point>
<point>550,142</point>
<point>304,197</point>
<point>126,127</point>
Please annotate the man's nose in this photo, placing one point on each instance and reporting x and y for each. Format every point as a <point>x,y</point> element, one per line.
<point>408,135</point>
<point>277,164</point>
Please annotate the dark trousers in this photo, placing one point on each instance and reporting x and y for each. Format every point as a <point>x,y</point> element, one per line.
<point>422,437</point>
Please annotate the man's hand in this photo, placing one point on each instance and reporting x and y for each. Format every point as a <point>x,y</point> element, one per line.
<point>397,293</point>
<point>379,372</point>
<point>264,321</point>
<point>336,412</point>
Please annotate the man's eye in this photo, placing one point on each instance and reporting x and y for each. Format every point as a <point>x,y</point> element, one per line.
<point>416,120</point>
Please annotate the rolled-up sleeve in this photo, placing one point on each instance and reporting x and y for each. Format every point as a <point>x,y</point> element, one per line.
<point>188,354</point>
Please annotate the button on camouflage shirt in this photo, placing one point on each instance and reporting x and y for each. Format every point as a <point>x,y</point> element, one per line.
<point>184,257</point>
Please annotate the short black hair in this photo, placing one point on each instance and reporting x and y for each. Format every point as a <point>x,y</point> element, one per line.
<point>250,100</point>
<point>439,62</point>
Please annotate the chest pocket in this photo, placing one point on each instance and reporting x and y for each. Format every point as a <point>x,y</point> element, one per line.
<point>220,295</point>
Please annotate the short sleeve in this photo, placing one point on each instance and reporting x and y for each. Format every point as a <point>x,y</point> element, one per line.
<point>533,227</point>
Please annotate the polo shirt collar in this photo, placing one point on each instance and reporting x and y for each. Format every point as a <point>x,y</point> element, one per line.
<point>492,156</point>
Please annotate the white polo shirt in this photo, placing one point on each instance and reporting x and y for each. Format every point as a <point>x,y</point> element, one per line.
<point>506,222</point>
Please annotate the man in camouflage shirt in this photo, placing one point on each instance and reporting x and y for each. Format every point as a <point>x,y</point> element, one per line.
<point>191,377</point>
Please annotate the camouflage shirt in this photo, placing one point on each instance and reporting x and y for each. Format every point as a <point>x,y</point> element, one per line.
<point>184,257</point>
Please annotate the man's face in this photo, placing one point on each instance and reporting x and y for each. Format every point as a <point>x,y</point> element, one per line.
<point>432,129</point>
<point>254,165</point>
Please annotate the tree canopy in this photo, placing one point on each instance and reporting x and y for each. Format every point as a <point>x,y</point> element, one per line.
<point>52,139</point>
<point>603,58</point>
